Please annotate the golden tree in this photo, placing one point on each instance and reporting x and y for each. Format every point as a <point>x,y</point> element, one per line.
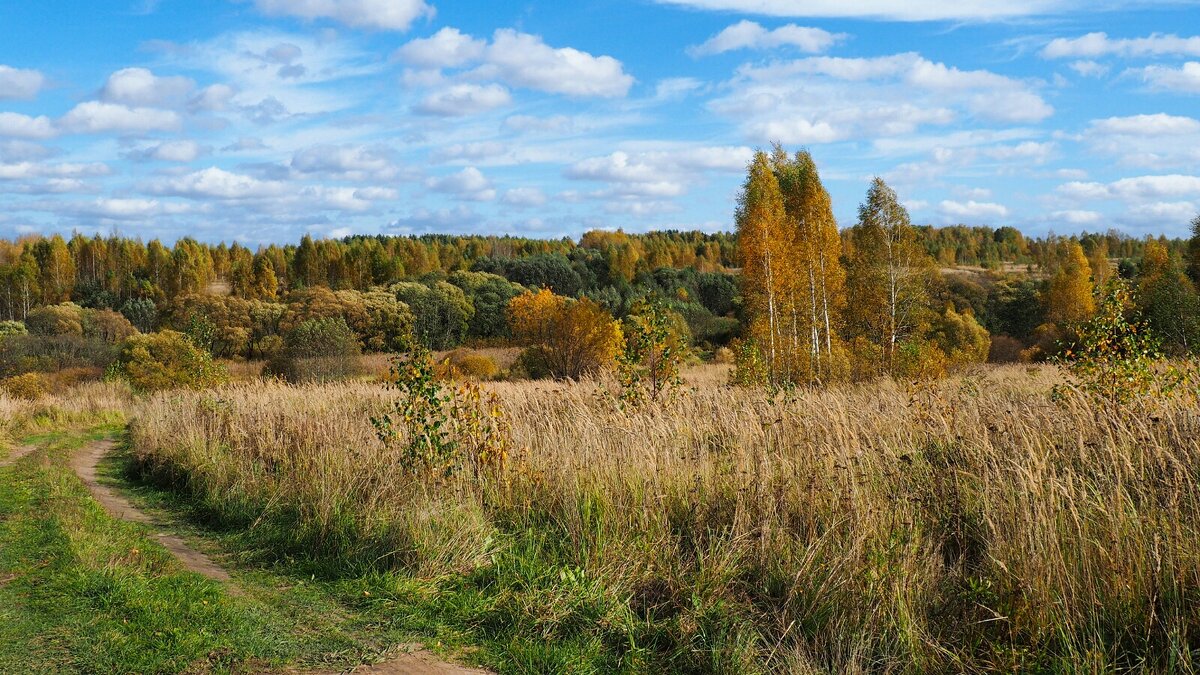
<point>566,338</point>
<point>1069,299</point>
<point>763,251</point>
<point>814,276</point>
<point>888,276</point>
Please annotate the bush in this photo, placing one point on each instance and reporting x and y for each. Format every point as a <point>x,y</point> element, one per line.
<point>567,338</point>
<point>141,312</point>
<point>27,387</point>
<point>466,364</point>
<point>56,320</point>
<point>8,328</point>
<point>107,326</point>
<point>166,360</point>
<point>1005,349</point>
<point>723,355</point>
<point>318,350</point>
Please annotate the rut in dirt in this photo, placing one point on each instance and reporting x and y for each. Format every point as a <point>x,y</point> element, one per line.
<point>84,463</point>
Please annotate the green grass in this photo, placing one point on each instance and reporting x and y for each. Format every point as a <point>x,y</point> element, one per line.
<point>82,592</point>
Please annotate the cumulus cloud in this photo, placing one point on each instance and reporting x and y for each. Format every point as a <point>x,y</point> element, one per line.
<point>750,35</point>
<point>140,87</point>
<point>1079,217</point>
<point>447,48</point>
<point>356,162</point>
<point>1135,188</point>
<point>182,151</point>
<point>524,197</point>
<point>16,125</point>
<point>826,99</point>
<point>1094,45</point>
<point>1089,68</point>
<point>374,14</point>
<point>217,183</point>
<point>453,219</point>
<point>524,60</point>
<point>972,210</point>
<point>464,99</point>
<point>516,59</point>
<point>1184,79</point>
<point>17,83</point>
<point>1152,140</point>
<point>99,117</point>
<point>470,184</point>
<point>890,10</point>
<point>658,173</point>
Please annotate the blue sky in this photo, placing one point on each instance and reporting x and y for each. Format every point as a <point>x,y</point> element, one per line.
<point>260,120</point>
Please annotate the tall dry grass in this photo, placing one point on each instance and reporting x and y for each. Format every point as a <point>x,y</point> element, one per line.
<point>967,525</point>
<point>85,404</point>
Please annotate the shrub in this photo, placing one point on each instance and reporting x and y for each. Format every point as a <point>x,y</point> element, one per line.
<point>318,350</point>
<point>723,355</point>
<point>56,320</point>
<point>141,312</point>
<point>567,338</point>
<point>107,326</point>
<point>27,387</point>
<point>166,360</point>
<point>1005,349</point>
<point>462,363</point>
<point>655,346</point>
<point>8,328</point>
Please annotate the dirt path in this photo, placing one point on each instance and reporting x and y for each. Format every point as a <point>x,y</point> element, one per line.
<point>16,454</point>
<point>410,659</point>
<point>84,463</point>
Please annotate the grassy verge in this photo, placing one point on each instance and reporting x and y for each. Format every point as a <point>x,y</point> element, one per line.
<point>82,592</point>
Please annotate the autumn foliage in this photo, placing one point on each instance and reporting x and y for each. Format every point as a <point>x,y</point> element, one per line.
<point>566,338</point>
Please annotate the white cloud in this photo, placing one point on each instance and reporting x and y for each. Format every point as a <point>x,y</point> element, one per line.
<point>972,210</point>
<point>27,170</point>
<point>470,183</point>
<point>212,98</point>
<point>894,10</point>
<point>464,99</point>
<point>1135,188</point>
<point>99,117</point>
<point>750,35</point>
<point>447,48</point>
<point>170,151</point>
<point>217,183</point>
<point>1184,79</point>
<point>376,14</point>
<point>16,125</point>
<point>524,197</point>
<point>524,60</point>
<point>1156,140</point>
<point>441,220</point>
<point>140,87</point>
<point>19,83</point>
<point>659,173</point>
<point>356,162</point>
<point>1078,217</point>
<point>825,99</point>
<point>1089,68</point>
<point>1095,45</point>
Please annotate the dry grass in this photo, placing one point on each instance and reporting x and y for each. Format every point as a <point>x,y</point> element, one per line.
<point>971,524</point>
<point>88,403</point>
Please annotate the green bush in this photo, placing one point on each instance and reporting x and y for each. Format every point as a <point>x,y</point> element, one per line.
<point>166,360</point>
<point>318,350</point>
<point>8,328</point>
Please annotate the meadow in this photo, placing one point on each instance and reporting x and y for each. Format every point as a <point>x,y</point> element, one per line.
<point>983,522</point>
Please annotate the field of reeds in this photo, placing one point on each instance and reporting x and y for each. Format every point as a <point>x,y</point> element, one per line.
<point>979,523</point>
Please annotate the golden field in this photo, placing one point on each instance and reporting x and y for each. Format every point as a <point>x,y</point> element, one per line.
<point>974,523</point>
